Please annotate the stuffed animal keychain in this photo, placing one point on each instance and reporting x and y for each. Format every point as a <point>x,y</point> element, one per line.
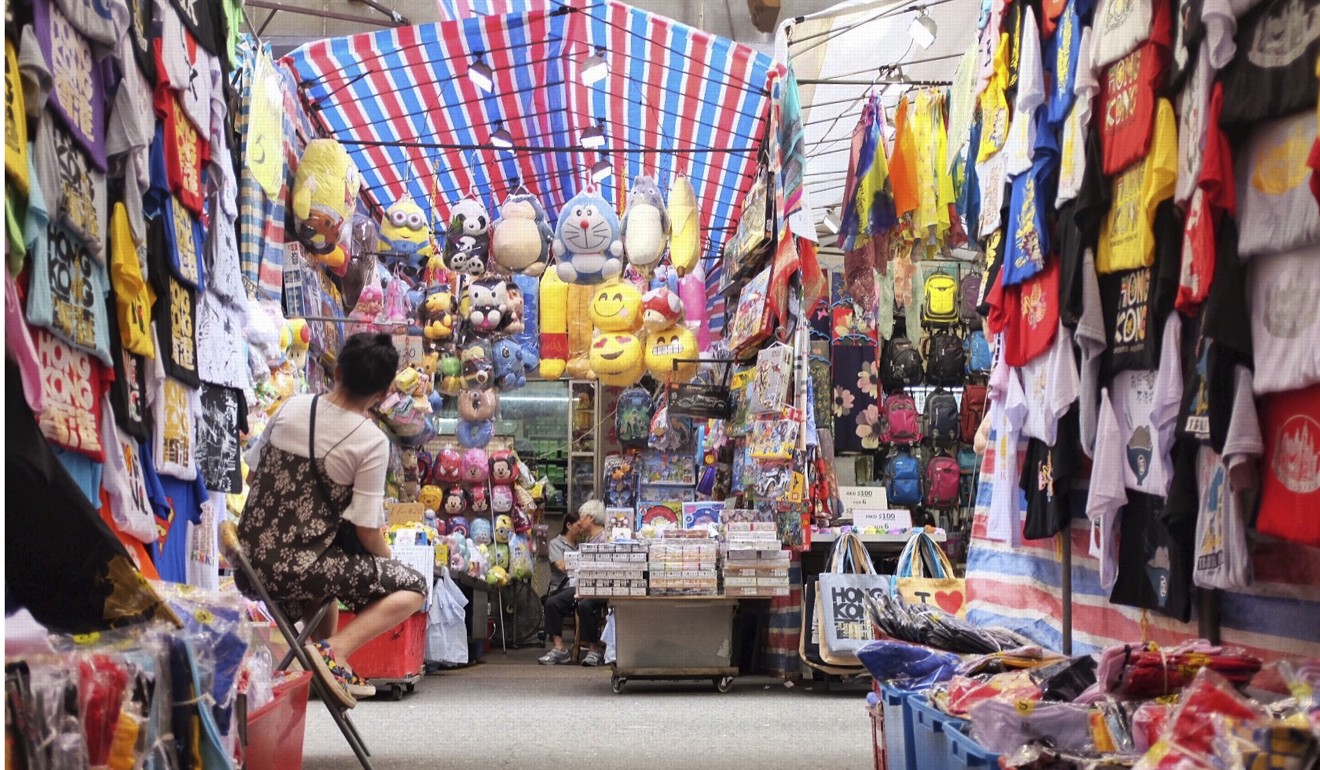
<point>645,225</point>
<point>587,247</point>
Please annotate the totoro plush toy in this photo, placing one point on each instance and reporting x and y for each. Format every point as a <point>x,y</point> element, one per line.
<point>467,242</point>
<point>645,226</point>
<point>587,246</point>
<point>520,238</point>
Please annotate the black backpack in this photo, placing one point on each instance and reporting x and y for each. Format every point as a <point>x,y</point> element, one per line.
<point>946,360</point>
<point>900,363</point>
<point>942,418</point>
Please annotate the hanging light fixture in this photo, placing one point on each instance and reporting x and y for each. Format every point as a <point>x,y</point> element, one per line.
<point>593,68</point>
<point>924,29</point>
<point>601,171</point>
<point>593,138</point>
<point>481,75</point>
<point>501,138</point>
<point>832,221</point>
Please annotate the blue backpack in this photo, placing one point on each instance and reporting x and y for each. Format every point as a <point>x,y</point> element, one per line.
<point>978,354</point>
<point>903,473</point>
<point>632,418</point>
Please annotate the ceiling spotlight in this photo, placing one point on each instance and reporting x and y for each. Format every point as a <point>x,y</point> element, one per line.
<point>481,75</point>
<point>601,171</point>
<point>501,138</point>
<point>923,30</point>
<point>593,137</point>
<point>832,222</point>
<point>593,69</point>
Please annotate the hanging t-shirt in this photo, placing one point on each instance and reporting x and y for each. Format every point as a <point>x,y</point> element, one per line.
<point>67,294</point>
<point>128,392</point>
<point>1188,32</point>
<point>1272,73</point>
<point>124,481</point>
<point>175,409</point>
<point>133,295</point>
<point>1127,237</point>
<point>1047,481</point>
<point>1128,92</point>
<point>1154,560</point>
<point>1285,319</point>
<point>999,496</point>
<point>141,14</point>
<point>1194,126</point>
<point>184,150</point>
<point>74,191</point>
<point>1223,558</point>
<point>170,551</point>
<point>1136,302</point>
<point>1091,343</point>
<point>185,69</point>
<point>1290,483</point>
<point>1078,229</point>
<point>72,384</point>
<point>1146,406</point>
<point>1032,310</point>
<point>16,138</point>
<point>1065,50</point>
<point>202,20</point>
<point>1074,160</point>
<point>1050,383</point>
<point>1276,209</point>
<point>1028,240</point>
<point>1120,27</point>
<point>174,313</point>
<point>1020,145</point>
<point>78,93</point>
<point>223,416</point>
<point>1107,492</point>
<point>991,171</point>
<point>1214,196</point>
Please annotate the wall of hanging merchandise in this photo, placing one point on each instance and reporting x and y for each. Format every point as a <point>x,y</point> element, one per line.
<point>1126,193</point>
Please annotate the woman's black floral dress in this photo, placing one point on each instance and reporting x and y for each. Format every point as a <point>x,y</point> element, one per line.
<point>300,545</point>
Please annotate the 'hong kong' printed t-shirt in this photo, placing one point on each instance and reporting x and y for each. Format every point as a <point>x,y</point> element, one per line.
<point>1127,238</point>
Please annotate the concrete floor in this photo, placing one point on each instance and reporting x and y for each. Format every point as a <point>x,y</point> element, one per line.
<point>511,713</point>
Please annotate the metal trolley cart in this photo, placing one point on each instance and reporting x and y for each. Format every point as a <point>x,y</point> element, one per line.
<point>674,638</point>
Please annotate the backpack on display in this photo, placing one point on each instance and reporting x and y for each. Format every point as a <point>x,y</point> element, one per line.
<point>900,363</point>
<point>903,480</point>
<point>971,412</point>
<point>942,418</point>
<point>943,301</point>
<point>968,466</point>
<point>943,482</point>
<point>979,357</point>
<point>969,291</point>
<point>632,418</point>
<point>900,421</point>
<point>946,361</point>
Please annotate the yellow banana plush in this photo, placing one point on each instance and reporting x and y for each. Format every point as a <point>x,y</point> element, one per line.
<point>554,325</point>
<point>685,227</point>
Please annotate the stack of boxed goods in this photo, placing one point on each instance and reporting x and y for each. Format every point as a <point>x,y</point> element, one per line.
<point>611,569</point>
<point>755,564</point>
<point>684,563</point>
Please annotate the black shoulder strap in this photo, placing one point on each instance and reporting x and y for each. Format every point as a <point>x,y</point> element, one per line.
<point>311,455</point>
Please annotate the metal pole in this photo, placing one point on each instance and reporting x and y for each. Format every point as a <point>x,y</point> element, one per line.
<point>1066,585</point>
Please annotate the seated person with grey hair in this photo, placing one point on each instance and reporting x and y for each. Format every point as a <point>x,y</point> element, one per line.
<point>590,528</point>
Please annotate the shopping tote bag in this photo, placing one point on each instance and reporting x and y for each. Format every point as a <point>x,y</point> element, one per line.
<point>925,576</point>
<point>844,588</point>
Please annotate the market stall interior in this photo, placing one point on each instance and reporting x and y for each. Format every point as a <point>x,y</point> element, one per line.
<point>962,351</point>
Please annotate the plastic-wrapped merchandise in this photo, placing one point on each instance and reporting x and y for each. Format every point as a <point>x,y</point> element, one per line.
<point>1147,671</point>
<point>1148,723</point>
<point>1003,727</point>
<point>1067,679</point>
<point>1014,688</point>
<point>1189,735</point>
<point>907,666</point>
<point>1276,745</point>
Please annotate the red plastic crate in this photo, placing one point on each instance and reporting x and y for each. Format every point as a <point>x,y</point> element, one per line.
<point>275,731</point>
<point>395,654</point>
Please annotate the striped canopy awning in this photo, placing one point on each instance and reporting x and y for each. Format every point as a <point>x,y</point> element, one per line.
<point>676,100</point>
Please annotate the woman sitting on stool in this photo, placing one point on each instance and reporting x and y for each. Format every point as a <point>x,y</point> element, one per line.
<point>589,528</point>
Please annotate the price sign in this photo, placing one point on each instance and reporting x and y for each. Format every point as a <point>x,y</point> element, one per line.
<point>885,520</point>
<point>404,513</point>
<point>854,498</point>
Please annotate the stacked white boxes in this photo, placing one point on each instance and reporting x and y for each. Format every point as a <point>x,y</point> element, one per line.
<point>755,563</point>
<point>611,569</point>
<point>684,563</point>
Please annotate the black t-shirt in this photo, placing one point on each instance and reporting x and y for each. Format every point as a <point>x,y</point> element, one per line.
<point>128,391</point>
<point>1137,302</point>
<point>175,312</point>
<point>1154,560</point>
<point>1079,229</point>
<point>1047,479</point>
<point>223,416</point>
<point>1188,32</point>
<point>199,17</point>
<point>1272,75</point>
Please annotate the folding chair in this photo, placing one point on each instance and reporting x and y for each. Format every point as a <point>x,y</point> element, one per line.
<point>230,547</point>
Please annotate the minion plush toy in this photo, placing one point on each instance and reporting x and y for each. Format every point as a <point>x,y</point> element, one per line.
<point>404,231</point>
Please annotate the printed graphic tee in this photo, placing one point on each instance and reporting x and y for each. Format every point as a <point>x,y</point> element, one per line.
<point>1285,319</point>
<point>1146,408</point>
<point>1276,209</point>
<point>1050,383</point>
<point>1290,483</point>
<point>1127,237</point>
<point>1154,560</point>
<point>1127,97</point>
<point>1272,73</point>
<point>1223,558</point>
<point>1107,493</point>
<point>1120,26</point>
<point>999,495</point>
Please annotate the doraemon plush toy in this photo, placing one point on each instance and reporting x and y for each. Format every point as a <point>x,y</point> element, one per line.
<point>587,246</point>
<point>645,225</point>
<point>476,469</point>
<point>520,238</point>
<point>467,242</point>
<point>404,231</point>
<point>325,189</point>
<point>488,305</point>
<point>510,371</point>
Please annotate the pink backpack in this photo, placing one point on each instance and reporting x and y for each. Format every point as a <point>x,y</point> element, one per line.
<point>942,477</point>
<point>900,420</point>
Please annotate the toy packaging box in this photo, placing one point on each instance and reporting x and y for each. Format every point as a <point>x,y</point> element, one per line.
<point>668,468</point>
<point>702,514</point>
<point>658,515</point>
<point>752,322</point>
<point>774,372</point>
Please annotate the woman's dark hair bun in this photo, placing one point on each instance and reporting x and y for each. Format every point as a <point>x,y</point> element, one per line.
<point>368,363</point>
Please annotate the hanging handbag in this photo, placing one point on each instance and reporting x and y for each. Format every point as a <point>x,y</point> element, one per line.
<point>849,581</point>
<point>925,576</point>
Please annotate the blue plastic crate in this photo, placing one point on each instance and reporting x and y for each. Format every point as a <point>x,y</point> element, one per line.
<point>967,753</point>
<point>898,728</point>
<point>931,747</point>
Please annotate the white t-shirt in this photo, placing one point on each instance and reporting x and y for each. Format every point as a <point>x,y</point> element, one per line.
<point>999,494</point>
<point>1108,492</point>
<point>990,177</point>
<point>1091,341</point>
<point>1193,104</point>
<point>1050,383</point>
<point>125,481</point>
<point>1072,155</point>
<point>1120,26</point>
<point>1021,143</point>
<point>1220,19</point>
<point>188,71</point>
<point>1223,558</point>
<point>356,452</point>
<point>1285,319</point>
<point>1276,210</point>
<point>1146,407</point>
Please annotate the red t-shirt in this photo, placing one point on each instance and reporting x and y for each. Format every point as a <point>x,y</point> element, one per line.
<point>73,383</point>
<point>186,150</point>
<point>1215,195</point>
<point>1128,93</point>
<point>1290,483</point>
<point>1032,309</point>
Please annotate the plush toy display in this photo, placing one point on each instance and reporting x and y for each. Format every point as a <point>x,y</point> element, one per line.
<point>616,306</point>
<point>587,246</point>
<point>692,288</point>
<point>478,502</point>
<point>645,225</point>
<point>325,189</point>
<point>665,347</point>
<point>482,532</point>
<point>432,498</point>
<point>514,323</point>
<point>488,305</point>
<point>521,565</point>
<point>497,576</point>
<point>520,239</point>
<point>454,505</point>
<point>467,242</point>
<point>478,365</point>
<point>438,316</point>
<point>685,227</point>
<point>510,372</point>
<point>661,309</point>
<point>617,359</point>
<point>458,525</point>
<point>449,466</point>
<point>579,332</point>
<point>503,529</point>
<point>529,339</point>
<point>476,469</point>
<point>554,326</point>
<point>522,523</point>
<point>501,499</point>
<point>503,467</point>
<point>478,404</point>
<point>474,435</point>
<point>371,301</point>
<point>404,231</point>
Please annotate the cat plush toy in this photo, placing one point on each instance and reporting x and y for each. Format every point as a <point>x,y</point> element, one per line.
<point>510,370</point>
<point>645,225</point>
<point>488,305</point>
<point>520,238</point>
<point>467,242</point>
<point>587,246</point>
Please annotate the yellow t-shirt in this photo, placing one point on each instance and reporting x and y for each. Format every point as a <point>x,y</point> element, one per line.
<point>994,106</point>
<point>1127,237</point>
<point>935,185</point>
<point>16,138</point>
<point>133,297</point>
